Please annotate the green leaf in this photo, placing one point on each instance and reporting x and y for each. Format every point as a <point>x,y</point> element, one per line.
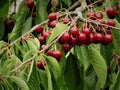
<point>56,32</point>
<point>116,85</point>
<point>67,2</point>
<point>33,78</point>
<point>41,6</point>
<point>36,42</point>
<point>53,65</point>
<point>4,7</point>
<point>22,85</point>
<point>49,81</point>
<point>99,65</point>
<point>72,74</point>
<point>2,27</point>
<point>32,46</point>
<point>17,30</point>
<point>27,55</point>
<point>83,56</point>
<point>116,39</point>
<point>27,25</point>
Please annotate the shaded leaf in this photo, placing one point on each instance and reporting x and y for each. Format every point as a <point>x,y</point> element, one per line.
<point>27,25</point>
<point>67,2</point>
<point>2,28</point>
<point>99,65</point>
<point>19,82</point>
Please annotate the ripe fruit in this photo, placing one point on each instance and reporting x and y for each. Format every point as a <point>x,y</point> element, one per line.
<point>66,20</point>
<point>111,22</point>
<point>86,30</point>
<point>53,24</point>
<point>49,53</point>
<point>99,15</point>
<point>111,13</point>
<point>41,64</point>
<point>29,3</point>
<point>102,21</point>
<point>74,31</point>
<point>118,7</point>
<point>57,54</point>
<point>107,39</point>
<point>9,24</point>
<point>52,16</point>
<point>45,34</point>
<point>66,47</point>
<point>65,38</point>
<point>73,41</point>
<point>91,15</point>
<point>91,38</point>
<point>81,39</point>
<point>39,29</point>
<point>98,38</point>
<point>42,40</point>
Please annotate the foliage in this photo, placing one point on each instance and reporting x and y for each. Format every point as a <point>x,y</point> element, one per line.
<point>84,67</point>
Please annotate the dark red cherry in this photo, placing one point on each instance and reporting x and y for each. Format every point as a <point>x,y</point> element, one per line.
<point>99,15</point>
<point>39,29</point>
<point>57,54</point>
<point>108,38</point>
<point>74,31</point>
<point>42,40</point>
<point>111,22</point>
<point>66,47</point>
<point>53,24</point>
<point>30,3</point>
<point>81,39</point>
<point>91,15</point>
<point>86,30</point>
<point>52,16</point>
<point>98,38</point>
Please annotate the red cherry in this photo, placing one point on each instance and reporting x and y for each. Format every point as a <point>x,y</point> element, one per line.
<point>81,39</point>
<point>45,34</point>
<point>111,22</point>
<point>57,54</point>
<point>50,53</point>
<point>91,38</point>
<point>52,16</point>
<point>86,30</point>
<point>108,31</point>
<point>66,47</point>
<point>98,38</point>
<point>39,29</point>
<point>66,20</point>
<point>40,64</point>
<point>74,31</point>
<point>53,24</point>
<point>102,21</point>
<point>65,38</point>
<point>30,3</point>
<point>73,41</point>
<point>111,13</point>
<point>107,39</point>
<point>118,7</point>
<point>42,40</point>
<point>99,15</point>
<point>91,15</point>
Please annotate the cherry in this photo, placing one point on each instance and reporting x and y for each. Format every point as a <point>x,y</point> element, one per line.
<point>73,41</point>
<point>29,3</point>
<point>98,38</point>
<point>49,53</point>
<point>53,24</point>
<point>66,47</point>
<point>107,31</point>
<point>74,31</point>
<point>52,16</point>
<point>66,20</point>
<point>102,21</point>
<point>40,64</point>
<point>65,38</point>
<point>91,38</point>
<point>111,13</point>
<point>91,15</point>
<point>39,29</point>
<point>9,24</point>
<point>42,40</point>
<point>118,7</point>
<point>107,39</point>
<point>57,54</point>
<point>99,15</point>
<point>111,22</point>
<point>45,34</point>
<point>86,30</point>
<point>81,39</point>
